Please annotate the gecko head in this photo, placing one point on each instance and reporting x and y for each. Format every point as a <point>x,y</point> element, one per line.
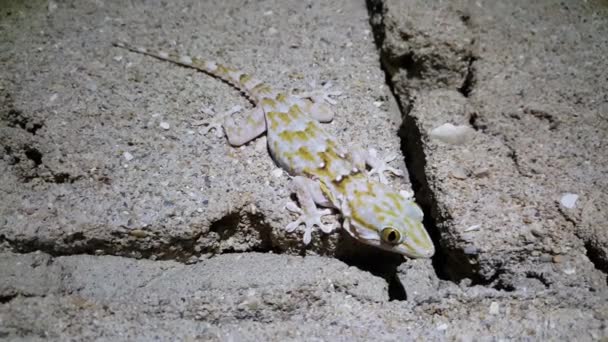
<point>393,223</point>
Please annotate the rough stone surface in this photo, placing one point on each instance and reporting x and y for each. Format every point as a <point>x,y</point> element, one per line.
<point>73,105</point>
<point>119,220</point>
<point>517,80</point>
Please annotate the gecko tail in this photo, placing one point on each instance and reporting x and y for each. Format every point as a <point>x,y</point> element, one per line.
<point>243,82</point>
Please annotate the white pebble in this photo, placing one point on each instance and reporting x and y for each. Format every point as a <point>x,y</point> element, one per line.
<point>406,194</point>
<point>51,6</point>
<point>451,134</point>
<point>442,327</point>
<point>260,144</point>
<point>472,228</point>
<point>128,156</point>
<point>568,200</point>
<point>569,271</point>
<point>164,125</point>
<point>494,308</point>
<point>185,60</point>
<point>117,58</point>
<point>277,173</point>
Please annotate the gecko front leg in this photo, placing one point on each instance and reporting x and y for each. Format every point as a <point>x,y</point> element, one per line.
<point>378,165</point>
<point>309,195</point>
<point>317,102</point>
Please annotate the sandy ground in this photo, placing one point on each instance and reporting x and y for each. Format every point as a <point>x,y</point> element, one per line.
<point>121,220</point>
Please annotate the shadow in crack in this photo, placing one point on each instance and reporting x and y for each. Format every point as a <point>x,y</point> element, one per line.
<point>375,261</point>
<point>449,262</point>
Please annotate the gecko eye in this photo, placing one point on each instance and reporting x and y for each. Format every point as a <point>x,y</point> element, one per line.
<point>390,235</point>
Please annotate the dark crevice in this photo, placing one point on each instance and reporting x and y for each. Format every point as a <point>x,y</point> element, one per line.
<point>178,249</point>
<point>371,259</point>
<point>593,249</point>
<point>476,123</point>
<point>597,256</point>
<point>449,263</point>
<point>144,243</point>
<point>540,277</point>
<point>7,298</point>
<point>496,280</point>
<point>544,116</point>
<point>64,177</point>
<point>414,65</point>
<point>233,224</point>
<point>34,155</point>
<point>16,118</point>
<point>469,79</point>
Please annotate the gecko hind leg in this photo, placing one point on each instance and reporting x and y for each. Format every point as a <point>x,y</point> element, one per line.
<point>318,101</point>
<point>239,133</point>
<point>309,195</point>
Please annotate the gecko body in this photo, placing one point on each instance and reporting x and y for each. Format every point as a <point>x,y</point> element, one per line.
<point>324,174</point>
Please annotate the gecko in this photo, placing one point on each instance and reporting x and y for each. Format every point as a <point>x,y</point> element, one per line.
<point>325,176</point>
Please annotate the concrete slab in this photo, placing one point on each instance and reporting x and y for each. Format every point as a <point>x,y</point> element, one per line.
<point>254,296</point>
<point>119,220</point>
<point>103,148</point>
<point>534,107</point>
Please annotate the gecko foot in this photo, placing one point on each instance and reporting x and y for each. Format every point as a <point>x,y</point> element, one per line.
<point>322,95</point>
<point>310,219</point>
<point>379,166</point>
<point>218,119</point>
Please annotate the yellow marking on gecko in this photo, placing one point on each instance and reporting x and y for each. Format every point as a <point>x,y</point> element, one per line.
<point>304,153</point>
<point>396,198</point>
<point>360,219</point>
<point>284,117</point>
<point>291,136</point>
<point>261,88</point>
<point>269,102</point>
<point>281,97</point>
<point>380,210</point>
<point>244,78</point>
<point>274,123</point>
<point>295,111</point>
<point>222,70</point>
<point>312,129</point>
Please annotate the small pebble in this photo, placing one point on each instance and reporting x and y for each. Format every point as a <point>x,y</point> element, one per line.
<point>277,173</point>
<point>494,308</point>
<point>558,258</point>
<point>164,125</point>
<point>458,173</point>
<point>569,271</point>
<point>481,173</point>
<point>138,233</point>
<point>545,258</point>
<point>128,156</point>
<point>442,327</point>
<point>471,250</point>
<point>472,228</point>
<point>451,134</point>
<point>568,200</point>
